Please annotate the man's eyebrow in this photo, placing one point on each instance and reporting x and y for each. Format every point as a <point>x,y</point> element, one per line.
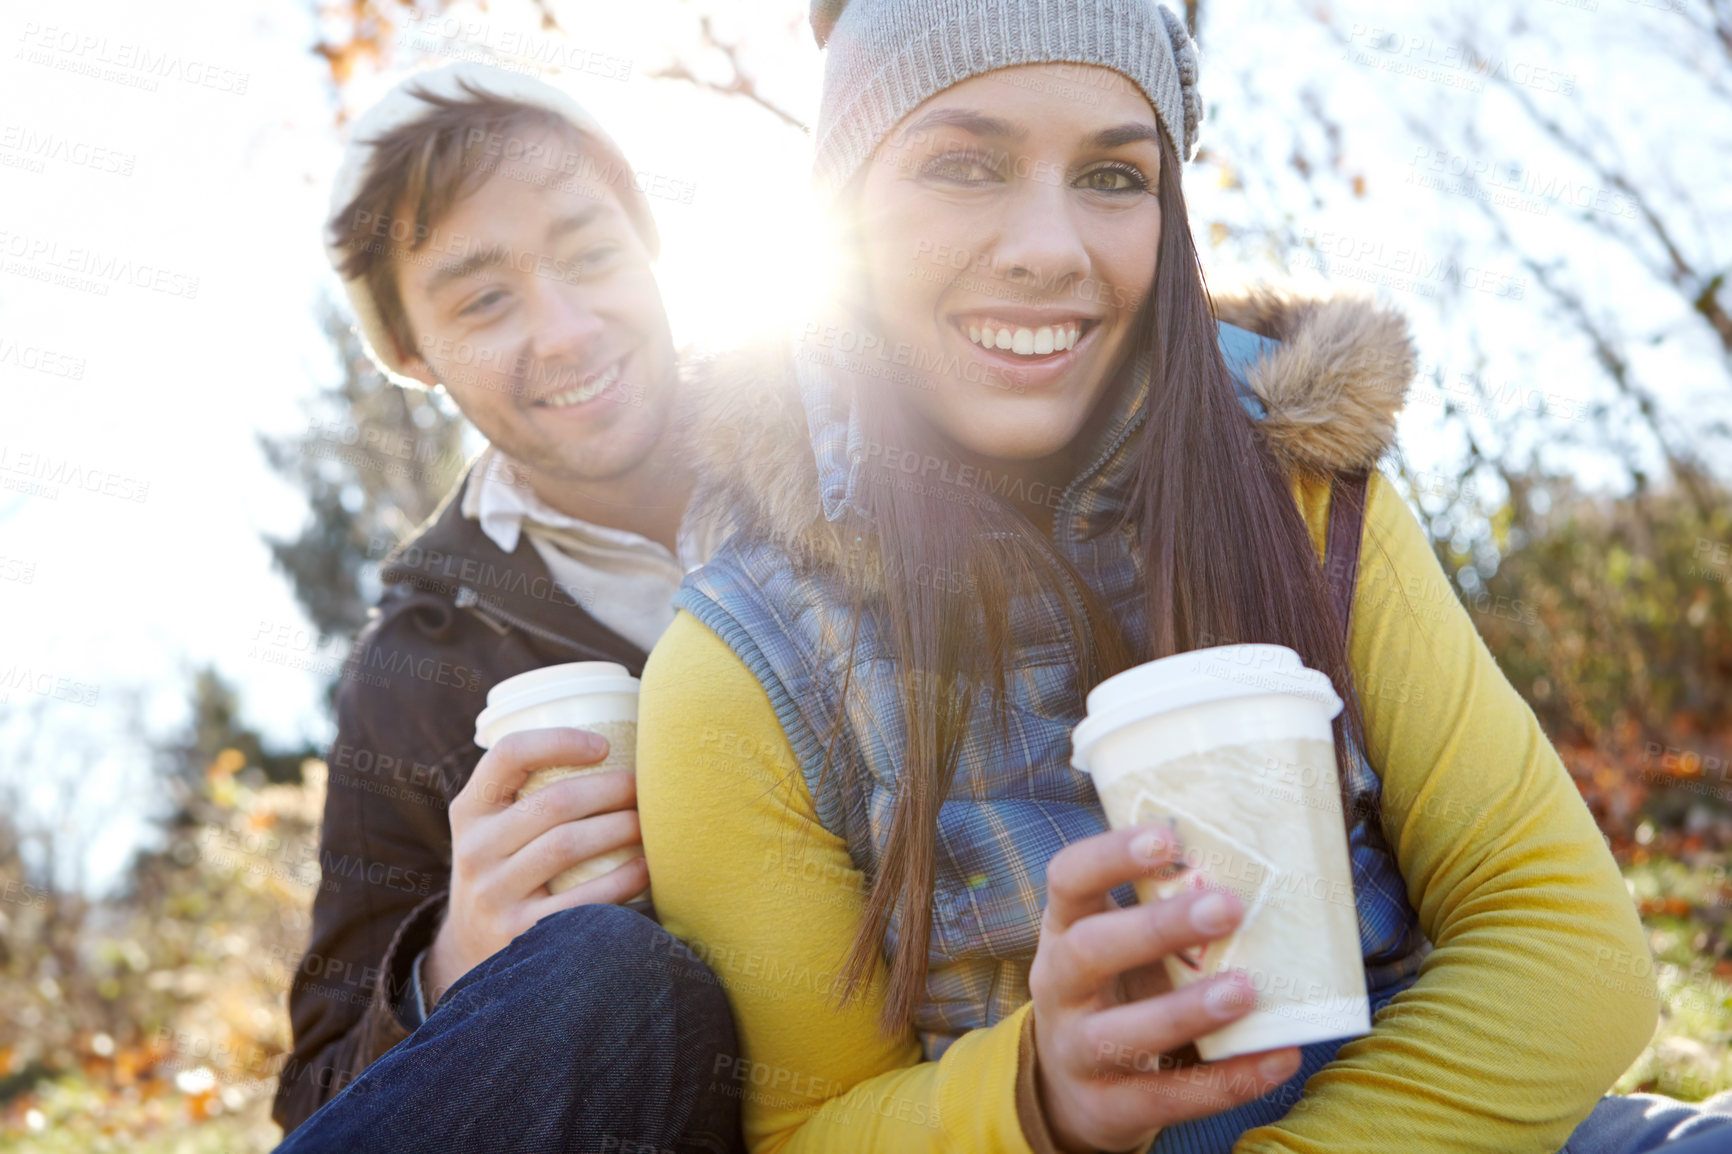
<point>498,254</point>
<point>968,120</point>
<point>468,266</point>
<point>573,222</point>
<point>1122,134</point>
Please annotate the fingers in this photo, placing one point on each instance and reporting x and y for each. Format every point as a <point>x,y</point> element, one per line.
<point>565,845</point>
<point>1157,1025</point>
<point>614,888</point>
<point>1095,950</point>
<point>1139,1092</point>
<point>503,769</point>
<point>499,835</point>
<point>1080,875</point>
<point>1147,981</point>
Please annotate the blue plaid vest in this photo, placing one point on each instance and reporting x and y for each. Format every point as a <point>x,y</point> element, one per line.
<point>1015,800</point>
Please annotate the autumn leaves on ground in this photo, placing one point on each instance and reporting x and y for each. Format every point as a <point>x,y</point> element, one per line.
<point>158,1023</point>
<point>168,1034</point>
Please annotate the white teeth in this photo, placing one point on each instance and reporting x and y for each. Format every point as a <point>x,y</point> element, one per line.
<point>584,393</point>
<point>1025,342</point>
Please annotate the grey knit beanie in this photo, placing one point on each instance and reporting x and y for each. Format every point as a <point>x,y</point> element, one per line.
<point>884,57</point>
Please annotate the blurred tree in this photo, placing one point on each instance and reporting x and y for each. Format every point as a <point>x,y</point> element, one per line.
<point>1628,200</point>
<point>1612,616</point>
<point>216,726</point>
<point>1513,153</point>
<point>1501,142</point>
<point>160,1007</point>
<point>374,463</point>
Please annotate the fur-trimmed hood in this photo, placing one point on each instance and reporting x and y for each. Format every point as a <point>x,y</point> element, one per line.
<point>1331,391</point>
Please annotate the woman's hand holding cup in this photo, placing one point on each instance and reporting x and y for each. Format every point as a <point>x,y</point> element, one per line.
<point>1107,1019</point>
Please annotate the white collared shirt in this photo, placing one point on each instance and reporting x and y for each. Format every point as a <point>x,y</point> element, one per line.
<point>623,579</point>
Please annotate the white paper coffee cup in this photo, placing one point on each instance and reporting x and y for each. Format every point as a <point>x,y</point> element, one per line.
<point>599,696</point>
<point>1231,749</point>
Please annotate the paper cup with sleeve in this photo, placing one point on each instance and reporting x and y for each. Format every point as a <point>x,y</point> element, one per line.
<point>1231,749</point>
<point>599,696</point>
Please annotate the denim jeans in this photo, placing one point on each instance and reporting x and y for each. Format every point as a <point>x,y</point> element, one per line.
<point>1638,1123</point>
<point>1619,1124</point>
<point>594,1031</point>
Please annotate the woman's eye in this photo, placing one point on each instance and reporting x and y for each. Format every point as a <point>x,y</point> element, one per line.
<point>959,168</point>
<point>1115,178</point>
<point>481,303</point>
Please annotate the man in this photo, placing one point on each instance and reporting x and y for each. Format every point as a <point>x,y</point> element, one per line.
<point>493,244</point>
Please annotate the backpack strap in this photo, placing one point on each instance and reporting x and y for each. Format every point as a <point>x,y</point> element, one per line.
<point>1341,557</point>
<point>1341,571</point>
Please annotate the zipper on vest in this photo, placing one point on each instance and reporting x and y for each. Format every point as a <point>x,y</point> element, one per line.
<point>1067,500</point>
<point>498,618</point>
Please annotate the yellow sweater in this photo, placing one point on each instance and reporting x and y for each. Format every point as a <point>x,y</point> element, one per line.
<point>1525,1013</point>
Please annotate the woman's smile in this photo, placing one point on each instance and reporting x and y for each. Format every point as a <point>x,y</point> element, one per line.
<point>1054,207</point>
<point>1028,349</point>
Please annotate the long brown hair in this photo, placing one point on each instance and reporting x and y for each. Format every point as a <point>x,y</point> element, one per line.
<point>1227,559</point>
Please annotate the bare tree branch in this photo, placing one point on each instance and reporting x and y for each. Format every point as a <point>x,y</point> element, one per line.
<point>1681,460</point>
<point>1650,235</point>
<point>742,83</point>
<point>1701,290</point>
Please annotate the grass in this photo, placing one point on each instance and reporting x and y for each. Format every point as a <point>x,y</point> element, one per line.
<point>1686,909</point>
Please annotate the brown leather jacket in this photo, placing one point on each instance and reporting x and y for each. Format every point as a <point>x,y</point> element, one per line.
<point>458,615</point>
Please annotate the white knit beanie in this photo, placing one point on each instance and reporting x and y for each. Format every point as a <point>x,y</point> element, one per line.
<point>402,105</point>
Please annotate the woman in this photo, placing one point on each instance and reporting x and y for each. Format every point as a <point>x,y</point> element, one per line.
<point>1012,461</point>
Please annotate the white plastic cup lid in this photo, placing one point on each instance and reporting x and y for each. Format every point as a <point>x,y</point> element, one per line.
<point>1221,673</point>
<point>552,683</point>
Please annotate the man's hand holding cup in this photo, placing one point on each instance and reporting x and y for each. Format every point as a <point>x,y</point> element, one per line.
<point>508,844</point>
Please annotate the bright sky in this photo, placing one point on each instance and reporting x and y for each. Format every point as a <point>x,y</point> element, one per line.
<point>162,186</point>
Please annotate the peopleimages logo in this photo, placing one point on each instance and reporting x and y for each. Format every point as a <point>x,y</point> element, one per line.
<point>36,148</point>
<point>43,470</point>
<point>135,65</point>
<point>37,359</point>
<point>45,683</point>
<point>1401,267</point>
<point>467,37</point>
<point>43,258</point>
<point>1454,64</point>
